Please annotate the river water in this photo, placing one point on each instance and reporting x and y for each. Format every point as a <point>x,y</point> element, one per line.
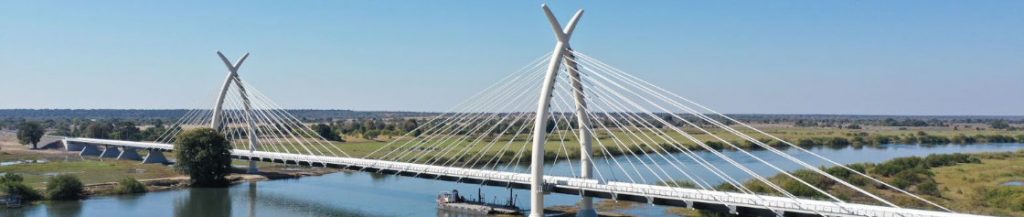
<point>367,194</point>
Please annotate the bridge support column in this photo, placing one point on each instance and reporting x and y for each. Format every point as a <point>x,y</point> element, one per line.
<point>128,153</point>
<point>70,146</point>
<point>540,122</point>
<point>89,149</point>
<point>155,156</point>
<point>110,152</point>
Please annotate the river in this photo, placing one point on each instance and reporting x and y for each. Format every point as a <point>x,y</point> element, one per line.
<point>366,194</point>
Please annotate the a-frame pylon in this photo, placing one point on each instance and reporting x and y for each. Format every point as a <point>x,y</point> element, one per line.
<point>562,35</point>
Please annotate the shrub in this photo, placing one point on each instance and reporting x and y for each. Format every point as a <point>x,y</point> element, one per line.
<point>929,188</point>
<point>64,187</point>
<point>838,142</point>
<point>679,183</point>
<point>17,188</point>
<point>11,184</point>
<point>716,145</point>
<point>1003,196</point>
<point>897,165</point>
<point>939,160</point>
<point>806,143</point>
<point>931,139</point>
<point>727,187</point>
<point>799,189</point>
<point>881,140</point>
<point>839,172</point>
<point>909,139</point>
<point>130,186</point>
<point>996,138</point>
<point>10,177</point>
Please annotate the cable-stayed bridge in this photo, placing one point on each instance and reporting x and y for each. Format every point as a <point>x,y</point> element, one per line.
<point>629,139</point>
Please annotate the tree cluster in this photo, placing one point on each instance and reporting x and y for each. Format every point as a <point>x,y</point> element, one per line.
<point>205,155</point>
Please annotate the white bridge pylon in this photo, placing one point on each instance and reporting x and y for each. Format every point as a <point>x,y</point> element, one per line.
<point>252,122</point>
<point>562,37</point>
<point>216,120</point>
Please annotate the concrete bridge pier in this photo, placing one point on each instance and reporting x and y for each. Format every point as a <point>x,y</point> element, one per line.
<point>128,153</point>
<point>110,152</point>
<point>89,149</point>
<point>155,156</point>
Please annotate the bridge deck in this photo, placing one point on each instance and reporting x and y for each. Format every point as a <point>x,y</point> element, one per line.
<point>747,204</point>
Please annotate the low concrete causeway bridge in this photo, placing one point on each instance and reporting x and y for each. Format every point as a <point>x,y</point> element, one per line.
<point>640,123</point>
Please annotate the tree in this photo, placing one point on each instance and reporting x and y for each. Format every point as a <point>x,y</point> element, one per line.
<point>64,187</point>
<point>371,134</point>
<point>327,132</point>
<point>410,125</point>
<point>550,126</point>
<point>205,155</point>
<point>98,131</point>
<point>999,124</point>
<point>29,133</point>
<point>125,131</point>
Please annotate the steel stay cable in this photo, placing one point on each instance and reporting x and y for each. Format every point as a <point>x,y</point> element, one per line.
<point>510,102</point>
<point>775,151</point>
<point>474,117</point>
<point>467,112</point>
<point>802,149</point>
<point>500,81</point>
<point>731,161</point>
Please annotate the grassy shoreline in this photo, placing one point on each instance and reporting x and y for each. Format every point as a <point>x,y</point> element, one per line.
<point>970,183</point>
<point>605,143</point>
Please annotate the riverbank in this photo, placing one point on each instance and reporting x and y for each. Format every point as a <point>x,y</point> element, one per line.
<point>981,183</point>
<point>100,176</point>
<point>562,144</point>
<point>238,176</point>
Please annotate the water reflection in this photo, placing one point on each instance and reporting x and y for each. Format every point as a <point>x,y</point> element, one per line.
<point>64,209</point>
<point>252,199</point>
<point>203,202</point>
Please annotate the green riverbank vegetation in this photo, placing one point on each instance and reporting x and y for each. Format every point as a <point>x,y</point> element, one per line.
<point>972,183</point>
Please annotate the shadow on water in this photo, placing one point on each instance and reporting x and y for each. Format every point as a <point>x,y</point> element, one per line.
<point>203,202</point>
<point>288,205</point>
<point>54,209</point>
<point>377,177</point>
<point>64,209</point>
<point>130,201</point>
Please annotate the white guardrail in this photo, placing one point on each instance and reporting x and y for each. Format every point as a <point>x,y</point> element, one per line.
<point>774,203</point>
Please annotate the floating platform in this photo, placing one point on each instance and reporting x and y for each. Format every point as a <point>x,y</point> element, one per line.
<point>453,202</point>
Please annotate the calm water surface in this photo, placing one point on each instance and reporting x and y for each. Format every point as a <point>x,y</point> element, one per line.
<point>365,194</point>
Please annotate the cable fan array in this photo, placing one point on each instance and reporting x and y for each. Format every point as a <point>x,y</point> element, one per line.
<point>272,127</point>
<point>642,134</point>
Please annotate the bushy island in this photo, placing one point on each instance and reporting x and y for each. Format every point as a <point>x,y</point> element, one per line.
<point>972,183</point>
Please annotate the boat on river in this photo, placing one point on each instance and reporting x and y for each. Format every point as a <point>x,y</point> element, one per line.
<point>455,202</point>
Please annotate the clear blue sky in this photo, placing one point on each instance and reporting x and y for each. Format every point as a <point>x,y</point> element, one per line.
<point>824,57</point>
